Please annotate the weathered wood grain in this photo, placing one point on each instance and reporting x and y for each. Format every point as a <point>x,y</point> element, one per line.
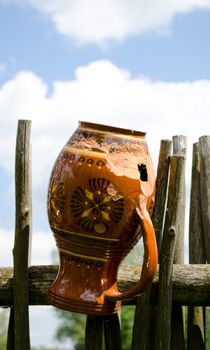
<point>142,327</point>
<point>177,323</point>
<point>204,147</point>
<point>180,149</point>
<point>196,315</point>
<point>94,332</point>
<point>112,334</point>
<point>190,283</point>
<point>144,319</point>
<point>196,229</point>
<point>22,235</point>
<point>161,189</point>
<point>171,229</point>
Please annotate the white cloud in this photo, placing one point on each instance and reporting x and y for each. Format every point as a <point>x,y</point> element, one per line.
<point>41,248</point>
<point>100,92</point>
<point>7,243</point>
<point>43,245</point>
<point>98,21</point>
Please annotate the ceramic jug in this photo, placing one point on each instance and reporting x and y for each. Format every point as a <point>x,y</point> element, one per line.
<point>100,197</point>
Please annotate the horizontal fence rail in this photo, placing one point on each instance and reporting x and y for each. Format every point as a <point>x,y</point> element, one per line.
<point>191,284</point>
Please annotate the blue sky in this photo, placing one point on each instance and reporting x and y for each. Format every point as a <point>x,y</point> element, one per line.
<point>140,64</point>
<point>29,41</point>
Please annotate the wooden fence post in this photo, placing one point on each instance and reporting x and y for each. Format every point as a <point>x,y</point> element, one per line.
<point>22,236</point>
<point>177,323</point>
<point>112,333</point>
<point>94,332</point>
<point>204,147</point>
<point>158,214</point>
<point>145,315</point>
<point>180,148</point>
<point>195,324</point>
<point>164,309</point>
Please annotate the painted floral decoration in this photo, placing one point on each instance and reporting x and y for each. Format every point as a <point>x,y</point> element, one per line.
<point>96,208</point>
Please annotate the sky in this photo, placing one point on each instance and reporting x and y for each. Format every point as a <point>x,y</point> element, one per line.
<point>139,64</point>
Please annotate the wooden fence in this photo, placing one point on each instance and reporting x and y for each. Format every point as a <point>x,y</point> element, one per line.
<point>159,316</point>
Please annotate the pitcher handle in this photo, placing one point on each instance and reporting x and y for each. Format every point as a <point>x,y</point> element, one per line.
<point>150,260</point>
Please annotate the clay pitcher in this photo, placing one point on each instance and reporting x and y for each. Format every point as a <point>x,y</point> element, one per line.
<point>100,197</point>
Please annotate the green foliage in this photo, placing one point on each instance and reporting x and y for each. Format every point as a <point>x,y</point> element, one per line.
<point>127,317</point>
<point>207,328</point>
<point>72,327</point>
<point>135,257</point>
<point>44,348</point>
<point>3,329</point>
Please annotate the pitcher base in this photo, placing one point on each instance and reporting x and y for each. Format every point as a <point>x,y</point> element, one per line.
<point>82,306</point>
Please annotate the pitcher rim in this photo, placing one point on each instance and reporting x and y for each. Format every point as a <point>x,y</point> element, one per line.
<point>109,128</point>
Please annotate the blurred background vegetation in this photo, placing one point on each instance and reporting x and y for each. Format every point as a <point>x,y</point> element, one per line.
<point>72,329</point>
